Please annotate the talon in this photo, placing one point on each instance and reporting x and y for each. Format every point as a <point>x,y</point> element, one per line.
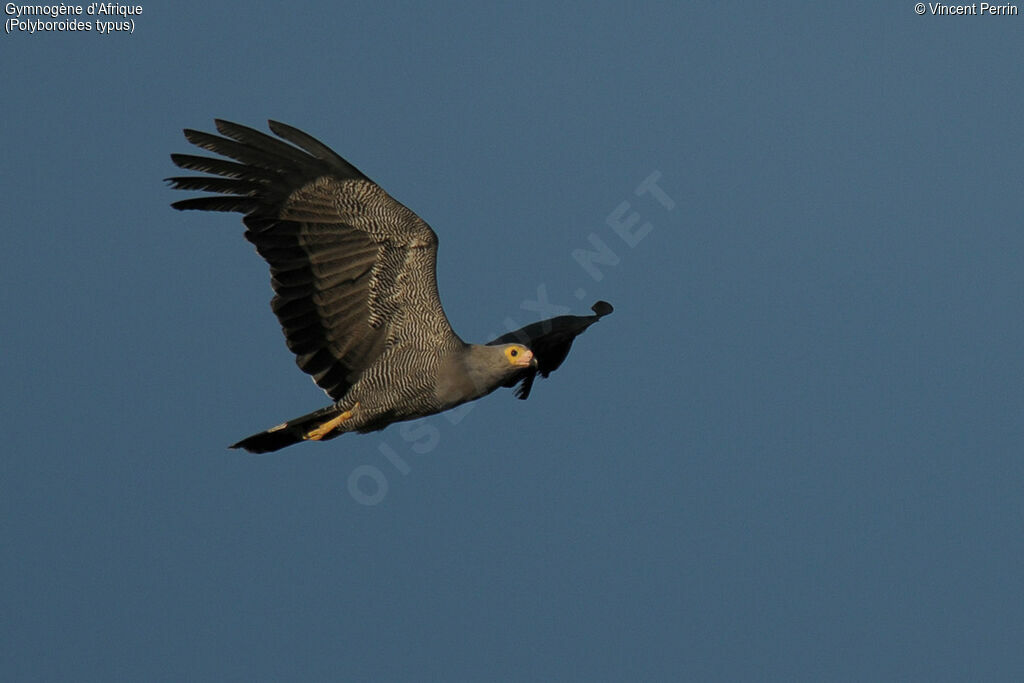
<point>329,426</point>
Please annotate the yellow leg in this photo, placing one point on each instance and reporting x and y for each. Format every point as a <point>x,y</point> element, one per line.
<point>327,427</point>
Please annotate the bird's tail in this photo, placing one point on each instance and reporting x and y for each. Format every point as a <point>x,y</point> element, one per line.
<point>293,431</point>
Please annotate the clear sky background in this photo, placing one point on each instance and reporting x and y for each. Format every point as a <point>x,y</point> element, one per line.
<point>794,452</point>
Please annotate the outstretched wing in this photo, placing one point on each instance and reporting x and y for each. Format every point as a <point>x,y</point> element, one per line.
<point>353,270</point>
<point>550,341</point>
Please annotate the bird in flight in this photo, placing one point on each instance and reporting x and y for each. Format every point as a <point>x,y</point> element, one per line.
<point>353,272</point>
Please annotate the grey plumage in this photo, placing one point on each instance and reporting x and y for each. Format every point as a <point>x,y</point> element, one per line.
<point>353,273</point>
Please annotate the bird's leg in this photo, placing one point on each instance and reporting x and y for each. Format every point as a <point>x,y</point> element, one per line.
<point>329,426</point>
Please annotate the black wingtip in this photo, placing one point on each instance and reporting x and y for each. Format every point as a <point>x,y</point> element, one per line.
<point>523,390</point>
<point>191,134</point>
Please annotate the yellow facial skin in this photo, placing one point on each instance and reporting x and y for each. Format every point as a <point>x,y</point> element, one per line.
<point>518,355</point>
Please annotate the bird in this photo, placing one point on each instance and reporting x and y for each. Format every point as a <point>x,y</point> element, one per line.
<point>355,287</point>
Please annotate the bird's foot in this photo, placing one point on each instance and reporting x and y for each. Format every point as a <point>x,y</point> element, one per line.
<point>329,426</point>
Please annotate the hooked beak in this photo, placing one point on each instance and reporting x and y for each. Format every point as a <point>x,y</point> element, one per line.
<point>526,360</point>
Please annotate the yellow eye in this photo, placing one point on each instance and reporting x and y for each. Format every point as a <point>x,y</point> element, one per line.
<point>513,353</point>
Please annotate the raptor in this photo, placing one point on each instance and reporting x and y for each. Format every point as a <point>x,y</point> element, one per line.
<point>354,277</point>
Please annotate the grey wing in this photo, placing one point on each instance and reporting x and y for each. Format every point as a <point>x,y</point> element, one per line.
<point>550,340</point>
<point>352,269</point>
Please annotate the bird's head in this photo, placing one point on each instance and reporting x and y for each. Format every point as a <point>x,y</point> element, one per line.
<point>488,367</point>
<point>476,370</point>
<point>518,356</point>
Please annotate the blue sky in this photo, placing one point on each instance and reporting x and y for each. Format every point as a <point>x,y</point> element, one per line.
<point>792,453</point>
